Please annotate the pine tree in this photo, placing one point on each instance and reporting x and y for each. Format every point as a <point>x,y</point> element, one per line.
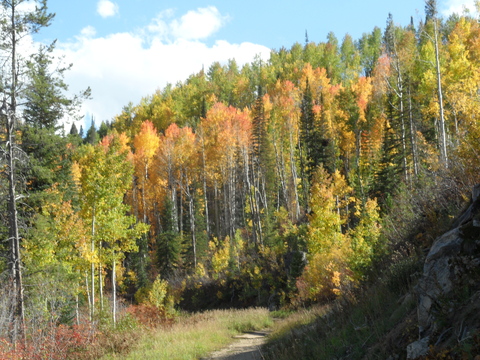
<point>168,244</point>
<point>92,136</point>
<point>307,142</point>
<point>45,99</point>
<point>73,130</point>
<point>15,25</point>
<point>103,130</point>
<point>45,105</point>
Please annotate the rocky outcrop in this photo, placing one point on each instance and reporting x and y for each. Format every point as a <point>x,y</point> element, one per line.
<point>448,262</point>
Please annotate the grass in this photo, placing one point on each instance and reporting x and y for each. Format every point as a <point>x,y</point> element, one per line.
<point>197,335</point>
<point>368,325</point>
<point>291,320</point>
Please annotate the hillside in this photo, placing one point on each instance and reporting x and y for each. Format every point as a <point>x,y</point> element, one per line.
<point>425,308</point>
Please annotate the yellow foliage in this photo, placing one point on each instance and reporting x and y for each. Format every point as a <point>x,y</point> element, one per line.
<point>200,270</point>
<point>326,275</point>
<point>221,256</point>
<point>325,220</point>
<point>365,236</point>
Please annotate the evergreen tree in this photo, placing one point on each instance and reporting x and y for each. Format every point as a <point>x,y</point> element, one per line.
<point>310,142</point>
<point>45,105</point>
<point>103,130</point>
<point>168,243</point>
<point>92,136</point>
<point>15,24</point>
<point>389,173</point>
<point>49,163</point>
<point>45,102</point>
<point>73,130</point>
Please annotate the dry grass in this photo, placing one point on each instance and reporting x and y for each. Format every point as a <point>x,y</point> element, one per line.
<point>297,319</point>
<point>195,336</point>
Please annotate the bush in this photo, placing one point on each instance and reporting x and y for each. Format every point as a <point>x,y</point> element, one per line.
<point>156,295</point>
<point>55,343</point>
<point>149,315</point>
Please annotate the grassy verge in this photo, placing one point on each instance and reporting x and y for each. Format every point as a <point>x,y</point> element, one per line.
<point>374,324</point>
<point>195,336</point>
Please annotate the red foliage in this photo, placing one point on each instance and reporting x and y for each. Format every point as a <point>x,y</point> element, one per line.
<point>57,342</point>
<point>149,315</point>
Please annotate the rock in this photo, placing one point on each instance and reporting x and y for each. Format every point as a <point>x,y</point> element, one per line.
<point>418,348</point>
<point>439,273</point>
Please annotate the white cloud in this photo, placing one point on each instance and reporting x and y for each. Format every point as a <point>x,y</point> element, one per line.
<point>199,24</point>
<point>88,31</point>
<point>458,7</point>
<point>194,25</point>
<point>27,6</point>
<point>107,8</point>
<point>124,67</point>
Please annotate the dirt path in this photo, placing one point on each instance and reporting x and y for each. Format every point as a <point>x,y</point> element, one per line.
<point>245,347</point>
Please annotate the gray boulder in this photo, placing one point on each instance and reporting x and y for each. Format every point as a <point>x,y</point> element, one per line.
<point>444,266</point>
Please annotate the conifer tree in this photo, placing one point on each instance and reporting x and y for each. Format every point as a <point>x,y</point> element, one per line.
<point>73,129</point>
<point>15,26</point>
<point>92,136</point>
<point>307,142</point>
<point>168,244</point>
<point>103,130</point>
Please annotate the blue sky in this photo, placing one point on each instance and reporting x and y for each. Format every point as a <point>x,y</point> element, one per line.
<point>126,49</point>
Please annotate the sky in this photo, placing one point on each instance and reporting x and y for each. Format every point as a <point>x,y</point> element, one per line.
<point>125,50</point>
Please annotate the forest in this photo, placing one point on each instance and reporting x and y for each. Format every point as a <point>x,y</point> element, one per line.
<point>281,183</point>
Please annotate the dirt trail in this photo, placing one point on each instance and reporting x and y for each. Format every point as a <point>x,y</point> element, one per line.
<point>245,347</point>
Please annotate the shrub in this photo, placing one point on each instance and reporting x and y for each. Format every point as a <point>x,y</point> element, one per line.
<point>148,315</point>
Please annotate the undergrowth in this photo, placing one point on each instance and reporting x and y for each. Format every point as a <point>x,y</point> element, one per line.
<point>197,335</point>
<point>353,326</point>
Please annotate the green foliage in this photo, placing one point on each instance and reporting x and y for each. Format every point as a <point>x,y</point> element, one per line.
<point>403,274</point>
<point>55,259</point>
<point>158,293</point>
<point>365,238</point>
<point>49,164</point>
<point>168,244</point>
<point>92,136</point>
<point>45,102</point>
<point>360,326</point>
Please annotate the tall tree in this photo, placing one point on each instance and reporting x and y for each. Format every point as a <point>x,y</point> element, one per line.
<point>284,122</point>
<point>16,24</point>
<point>431,12</point>
<point>370,46</point>
<point>104,176</point>
<point>92,136</point>
<point>45,102</point>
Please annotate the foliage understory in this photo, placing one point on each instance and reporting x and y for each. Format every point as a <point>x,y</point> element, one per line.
<point>366,325</point>
<point>142,332</point>
<point>196,335</point>
<point>378,318</point>
<point>379,322</point>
